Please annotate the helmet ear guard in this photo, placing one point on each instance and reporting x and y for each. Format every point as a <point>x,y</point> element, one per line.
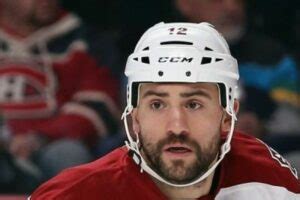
<point>181,53</point>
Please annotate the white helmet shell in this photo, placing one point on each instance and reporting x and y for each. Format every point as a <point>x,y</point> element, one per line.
<point>187,53</point>
<point>183,52</point>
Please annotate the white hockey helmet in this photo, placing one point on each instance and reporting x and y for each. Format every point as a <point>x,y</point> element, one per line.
<point>187,53</point>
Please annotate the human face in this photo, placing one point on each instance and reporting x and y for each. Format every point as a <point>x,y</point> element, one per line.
<point>33,12</point>
<point>179,128</point>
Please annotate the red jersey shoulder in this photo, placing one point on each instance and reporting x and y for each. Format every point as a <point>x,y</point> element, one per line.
<point>251,160</point>
<point>85,181</point>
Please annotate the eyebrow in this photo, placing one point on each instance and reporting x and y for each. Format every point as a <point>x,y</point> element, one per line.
<point>153,93</point>
<point>185,94</point>
<point>196,93</point>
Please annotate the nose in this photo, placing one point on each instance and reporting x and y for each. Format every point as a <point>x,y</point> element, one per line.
<point>177,122</point>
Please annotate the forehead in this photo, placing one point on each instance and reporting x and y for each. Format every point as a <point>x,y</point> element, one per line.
<point>211,88</point>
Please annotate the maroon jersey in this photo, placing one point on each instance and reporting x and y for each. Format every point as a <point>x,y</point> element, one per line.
<point>251,170</point>
<point>51,85</point>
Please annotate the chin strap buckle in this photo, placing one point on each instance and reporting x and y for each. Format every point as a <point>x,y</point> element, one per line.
<point>135,155</point>
<point>136,158</point>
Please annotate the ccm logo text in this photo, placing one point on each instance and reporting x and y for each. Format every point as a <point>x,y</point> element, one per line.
<point>175,59</point>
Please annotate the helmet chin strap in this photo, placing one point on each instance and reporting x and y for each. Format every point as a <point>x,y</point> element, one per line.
<point>134,151</point>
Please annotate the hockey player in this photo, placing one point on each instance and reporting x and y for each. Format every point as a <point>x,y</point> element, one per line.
<point>182,83</point>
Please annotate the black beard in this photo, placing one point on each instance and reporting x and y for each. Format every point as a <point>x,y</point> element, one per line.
<point>179,172</point>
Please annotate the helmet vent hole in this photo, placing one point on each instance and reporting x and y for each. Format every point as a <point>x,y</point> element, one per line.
<point>146,49</point>
<point>160,73</point>
<point>205,60</point>
<point>218,59</point>
<point>136,59</point>
<point>229,97</point>
<point>188,73</point>
<point>145,60</point>
<point>176,42</point>
<point>208,49</point>
<point>230,89</point>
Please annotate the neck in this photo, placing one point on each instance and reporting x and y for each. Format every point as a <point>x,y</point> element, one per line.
<point>186,193</point>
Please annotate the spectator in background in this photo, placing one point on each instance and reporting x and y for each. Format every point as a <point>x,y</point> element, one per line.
<point>228,16</point>
<point>268,74</point>
<point>54,98</point>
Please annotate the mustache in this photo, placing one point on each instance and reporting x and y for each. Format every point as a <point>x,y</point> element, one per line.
<point>174,138</point>
<point>177,138</point>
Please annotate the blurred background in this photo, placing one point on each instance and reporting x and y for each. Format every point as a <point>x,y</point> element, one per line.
<point>264,36</point>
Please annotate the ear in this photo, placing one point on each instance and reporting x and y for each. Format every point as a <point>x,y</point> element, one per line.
<point>135,122</point>
<point>226,120</point>
<point>236,106</point>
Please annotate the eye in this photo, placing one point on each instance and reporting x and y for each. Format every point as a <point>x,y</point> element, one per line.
<point>157,105</point>
<point>193,105</point>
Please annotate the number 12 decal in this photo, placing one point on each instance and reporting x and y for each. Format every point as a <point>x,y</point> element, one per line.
<point>177,31</point>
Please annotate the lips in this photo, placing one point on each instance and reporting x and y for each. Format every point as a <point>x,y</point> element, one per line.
<point>177,149</point>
